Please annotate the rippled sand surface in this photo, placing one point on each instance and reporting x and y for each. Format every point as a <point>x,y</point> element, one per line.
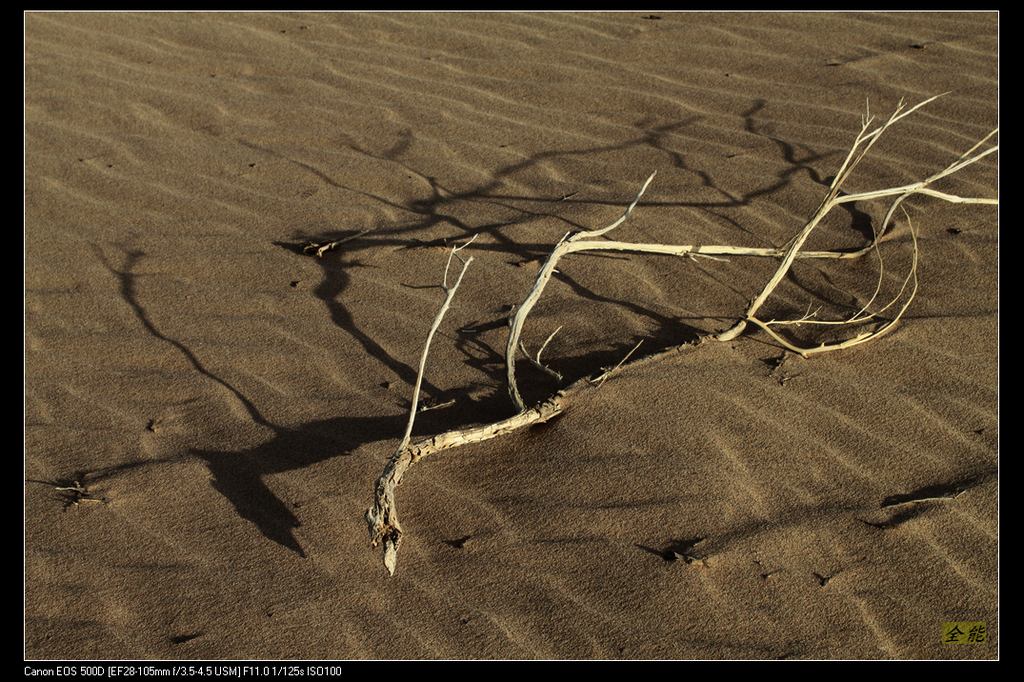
<point>223,402</point>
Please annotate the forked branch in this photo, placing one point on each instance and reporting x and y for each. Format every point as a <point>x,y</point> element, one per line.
<point>860,147</point>
<point>866,138</point>
<point>382,517</point>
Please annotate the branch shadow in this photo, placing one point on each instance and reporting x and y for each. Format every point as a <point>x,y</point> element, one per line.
<point>437,208</point>
<point>536,385</point>
<point>240,476</point>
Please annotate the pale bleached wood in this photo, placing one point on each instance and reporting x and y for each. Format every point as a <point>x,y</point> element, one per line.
<point>863,337</point>
<point>536,361</point>
<point>865,139</point>
<point>833,199</point>
<point>382,517</point>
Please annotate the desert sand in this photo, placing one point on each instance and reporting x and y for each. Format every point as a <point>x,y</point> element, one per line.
<point>208,407</point>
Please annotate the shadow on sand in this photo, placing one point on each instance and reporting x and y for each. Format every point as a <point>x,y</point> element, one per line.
<point>240,475</point>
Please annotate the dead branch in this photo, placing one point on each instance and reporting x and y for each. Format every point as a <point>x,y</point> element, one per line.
<point>586,241</point>
<point>320,248</point>
<point>382,517</point>
<point>861,145</point>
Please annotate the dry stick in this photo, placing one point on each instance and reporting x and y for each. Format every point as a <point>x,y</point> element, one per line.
<point>536,362</point>
<point>608,372</point>
<point>437,406</point>
<point>832,199</point>
<point>383,519</point>
<point>383,516</point>
<point>583,241</point>
<point>543,276</point>
<point>321,248</point>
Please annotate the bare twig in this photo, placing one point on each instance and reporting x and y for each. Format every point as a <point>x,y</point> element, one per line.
<point>320,248</point>
<point>832,199</point>
<point>383,516</point>
<point>536,362</point>
<point>437,406</point>
<point>71,492</point>
<point>603,377</point>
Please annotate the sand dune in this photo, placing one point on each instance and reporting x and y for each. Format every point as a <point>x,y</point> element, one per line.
<point>226,401</point>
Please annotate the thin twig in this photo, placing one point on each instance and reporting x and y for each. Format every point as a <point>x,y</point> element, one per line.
<point>598,381</point>
<point>536,362</point>
<point>321,248</point>
<point>437,406</point>
<point>383,516</point>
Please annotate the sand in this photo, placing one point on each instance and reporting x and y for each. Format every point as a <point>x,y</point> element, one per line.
<point>225,402</point>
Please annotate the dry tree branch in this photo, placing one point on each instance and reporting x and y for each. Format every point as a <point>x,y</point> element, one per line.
<point>536,362</point>
<point>382,518</point>
<point>832,199</point>
<point>583,241</point>
<point>865,139</point>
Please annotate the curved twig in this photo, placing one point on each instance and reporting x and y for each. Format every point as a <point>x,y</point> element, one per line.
<point>382,518</point>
